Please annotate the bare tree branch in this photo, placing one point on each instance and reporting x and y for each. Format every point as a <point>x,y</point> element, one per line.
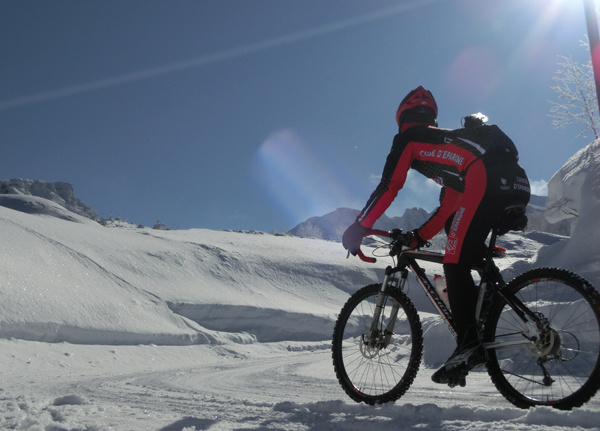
<point>577,92</point>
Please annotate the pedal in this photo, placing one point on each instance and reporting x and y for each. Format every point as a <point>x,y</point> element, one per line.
<point>457,378</point>
<point>453,377</point>
<point>460,382</point>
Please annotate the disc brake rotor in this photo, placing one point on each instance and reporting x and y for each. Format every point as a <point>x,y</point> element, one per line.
<point>370,348</point>
<point>547,344</point>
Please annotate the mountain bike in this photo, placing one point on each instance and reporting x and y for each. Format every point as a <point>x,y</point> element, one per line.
<point>540,331</point>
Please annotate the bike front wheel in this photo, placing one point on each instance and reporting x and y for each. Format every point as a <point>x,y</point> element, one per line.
<point>377,363</point>
<point>554,361</point>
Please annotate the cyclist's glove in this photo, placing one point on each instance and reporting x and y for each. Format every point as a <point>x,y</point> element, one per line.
<point>353,236</point>
<point>415,241</point>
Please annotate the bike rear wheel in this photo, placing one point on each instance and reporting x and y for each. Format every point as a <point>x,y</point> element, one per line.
<point>559,365</point>
<point>370,367</point>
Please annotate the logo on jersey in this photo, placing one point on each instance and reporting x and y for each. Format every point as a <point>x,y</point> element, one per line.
<point>452,243</point>
<point>451,246</point>
<point>522,184</point>
<point>504,184</point>
<point>444,155</point>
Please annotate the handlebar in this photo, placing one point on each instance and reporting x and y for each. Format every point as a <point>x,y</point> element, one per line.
<point>364,258</point>
<point>377,232</point>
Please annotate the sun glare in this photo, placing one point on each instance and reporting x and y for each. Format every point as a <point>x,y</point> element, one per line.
<point>301,184</point>
<point>552,22</point>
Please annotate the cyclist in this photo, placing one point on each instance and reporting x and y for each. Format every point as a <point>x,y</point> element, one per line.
<point>477,167</point>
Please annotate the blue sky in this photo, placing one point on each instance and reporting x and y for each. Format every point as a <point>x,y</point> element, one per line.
<point>257,114</point>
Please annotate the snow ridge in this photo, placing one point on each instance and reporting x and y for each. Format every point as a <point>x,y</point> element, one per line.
<point>143,329</point>
<point>574,193</point>
<point>60,193</point>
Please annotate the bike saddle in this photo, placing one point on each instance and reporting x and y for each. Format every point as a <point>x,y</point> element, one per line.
<point>513,218</point>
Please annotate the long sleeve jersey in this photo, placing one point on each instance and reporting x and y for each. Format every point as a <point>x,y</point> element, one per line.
<point>441,155</point>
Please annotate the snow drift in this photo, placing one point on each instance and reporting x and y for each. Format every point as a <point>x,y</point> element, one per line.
<point>135,328</point>
<point>83,283</point>
<point>574,192</point>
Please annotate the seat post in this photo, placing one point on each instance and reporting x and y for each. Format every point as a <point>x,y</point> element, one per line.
<point>492,243</point>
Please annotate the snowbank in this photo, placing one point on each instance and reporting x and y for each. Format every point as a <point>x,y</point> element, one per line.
<point>574,192</point>
<point>138,329</point>
<point>82,283</point>
<point>86,284</point>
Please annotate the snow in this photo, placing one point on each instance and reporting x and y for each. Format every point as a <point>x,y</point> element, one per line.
<point>140,329</point>
<point>577,186</point>
<point>566,191</point>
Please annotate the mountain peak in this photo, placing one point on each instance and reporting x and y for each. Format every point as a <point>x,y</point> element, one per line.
<point>60,193</point>
<point>331,226</point>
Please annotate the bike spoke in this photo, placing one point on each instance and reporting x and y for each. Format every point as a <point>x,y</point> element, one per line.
<point>372,364</point>
<point>561,351</point>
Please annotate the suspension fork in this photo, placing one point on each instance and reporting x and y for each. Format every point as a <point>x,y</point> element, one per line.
<point>388,282</point>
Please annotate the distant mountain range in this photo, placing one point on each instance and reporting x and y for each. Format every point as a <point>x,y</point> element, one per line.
<point>331,226</point>
<point>20,194</point>
<point>60,193</point>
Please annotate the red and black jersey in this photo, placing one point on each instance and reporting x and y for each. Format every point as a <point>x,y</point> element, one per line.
<point>479,171</point>
<point>441,155</point>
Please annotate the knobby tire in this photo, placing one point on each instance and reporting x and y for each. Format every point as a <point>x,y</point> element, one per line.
<point>376,374</point>
<point>564,372</point>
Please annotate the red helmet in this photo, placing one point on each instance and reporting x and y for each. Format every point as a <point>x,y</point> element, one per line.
<point>419,98</point>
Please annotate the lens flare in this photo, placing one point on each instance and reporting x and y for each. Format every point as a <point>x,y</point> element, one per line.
<point>301,184</point>
<point>474,74</point>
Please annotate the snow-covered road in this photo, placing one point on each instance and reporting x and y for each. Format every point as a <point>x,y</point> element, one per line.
<point>275,386</point>
<point>137,329</point>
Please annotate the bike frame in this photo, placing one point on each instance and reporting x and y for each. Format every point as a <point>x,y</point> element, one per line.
<point>491,281</point>
<point>409,259</point>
